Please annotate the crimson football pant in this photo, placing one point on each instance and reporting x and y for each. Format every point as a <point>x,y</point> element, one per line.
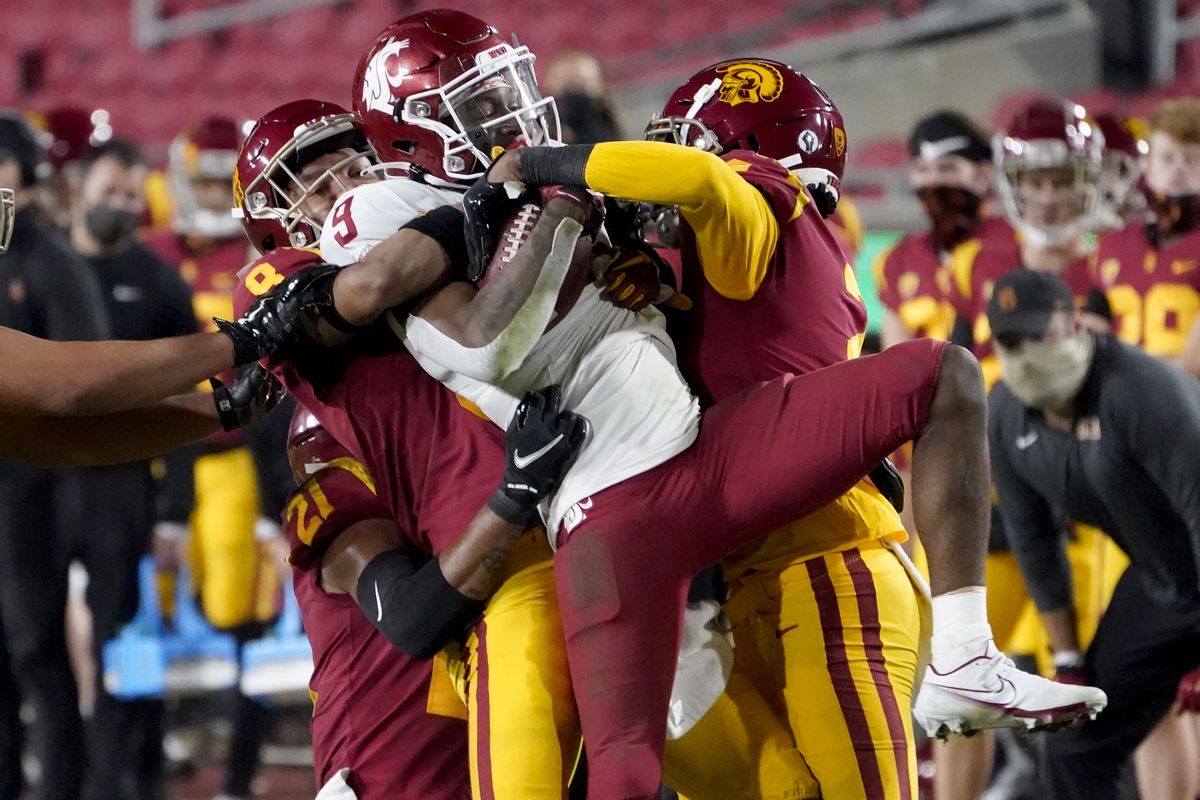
<point>764,457</point>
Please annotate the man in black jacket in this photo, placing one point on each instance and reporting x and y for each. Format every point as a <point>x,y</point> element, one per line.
<point>1092,428</point>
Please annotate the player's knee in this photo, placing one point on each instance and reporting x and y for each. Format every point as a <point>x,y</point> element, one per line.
<point>624,773</point>
<point>960,392</point>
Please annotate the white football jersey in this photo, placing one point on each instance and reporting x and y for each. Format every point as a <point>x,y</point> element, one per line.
<point>616,368</point>
<point>366,215</point>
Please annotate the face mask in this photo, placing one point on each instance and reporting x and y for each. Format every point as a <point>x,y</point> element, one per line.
<point>586,117</point>
<point>1175,215</point>
<point>954,211</point>
<point>109,225</point>
<point>1047,375</point>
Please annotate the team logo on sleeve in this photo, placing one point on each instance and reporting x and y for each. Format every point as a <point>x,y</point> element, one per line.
<point>749,82</point>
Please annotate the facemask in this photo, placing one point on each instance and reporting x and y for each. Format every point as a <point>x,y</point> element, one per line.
<point>1047,375</point>
<point>109,225</point>
<point>1175,214</point>
<point>587,118</point>
<point>954,211</point>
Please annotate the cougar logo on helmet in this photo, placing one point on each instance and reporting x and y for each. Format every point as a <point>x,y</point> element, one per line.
<point>379,79</point>
<point>749,82</point>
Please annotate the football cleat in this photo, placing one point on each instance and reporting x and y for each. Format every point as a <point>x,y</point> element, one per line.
<point>979,688</point>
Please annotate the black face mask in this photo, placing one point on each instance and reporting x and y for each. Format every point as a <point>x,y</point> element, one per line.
<point>110,225</point>
<point>1175,215</point>
<point>587,118</point>
<point>955,214</point>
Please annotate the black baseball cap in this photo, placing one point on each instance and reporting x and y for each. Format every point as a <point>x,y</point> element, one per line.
<point>1024,300</point>
<point>948,133</point>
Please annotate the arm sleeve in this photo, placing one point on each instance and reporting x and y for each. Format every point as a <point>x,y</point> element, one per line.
<point>1033,536</point>
<point>268,445</point>
<point>1160,407</point>
<point>736,228</point>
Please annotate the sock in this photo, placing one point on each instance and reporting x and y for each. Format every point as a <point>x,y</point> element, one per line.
<point>959,618</point>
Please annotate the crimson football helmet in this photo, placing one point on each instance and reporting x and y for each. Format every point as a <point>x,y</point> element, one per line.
<point>71,130</point>
<point>438,90</point>
<point>310,448</point>
<point>764,106</point>
<point>205,150</point>
<point>1050,134</point>
<point>267,188</point>
<point>1121,168</point>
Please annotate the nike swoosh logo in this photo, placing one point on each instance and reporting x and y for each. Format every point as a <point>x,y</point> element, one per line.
<point>522,462</point>
<point>378,603</point>
<point>1026,441</point>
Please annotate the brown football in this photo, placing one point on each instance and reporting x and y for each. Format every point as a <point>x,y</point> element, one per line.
<point>515,234</point>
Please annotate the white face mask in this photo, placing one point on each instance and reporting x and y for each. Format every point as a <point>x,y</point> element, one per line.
<point>1047,375</point>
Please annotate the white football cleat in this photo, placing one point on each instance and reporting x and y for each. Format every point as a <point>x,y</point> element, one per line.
<point>978,687</point>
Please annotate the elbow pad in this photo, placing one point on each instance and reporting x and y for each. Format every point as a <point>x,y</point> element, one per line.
<point>415,609</point>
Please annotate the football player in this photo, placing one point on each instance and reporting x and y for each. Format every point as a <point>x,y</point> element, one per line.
<point>1148,267</point>
<point>622,732</point>
<point>951,172</point>
<point>385,724</point>
<point>524,727</point>
<point>1048,165</point>
<point>1121,201</point>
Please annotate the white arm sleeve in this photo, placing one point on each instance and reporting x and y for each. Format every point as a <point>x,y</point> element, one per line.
<point>502,356</point>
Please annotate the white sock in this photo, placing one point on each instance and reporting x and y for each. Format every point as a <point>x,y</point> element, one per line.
<point>959,618</point>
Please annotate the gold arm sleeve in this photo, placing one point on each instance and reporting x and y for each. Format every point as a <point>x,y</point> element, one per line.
<point>735,229</point>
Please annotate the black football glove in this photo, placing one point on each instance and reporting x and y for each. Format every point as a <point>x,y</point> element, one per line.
<point>251,396</point>
<point>486,206</point>
<point>542,443</point>
<point>274,318</point>
<point>887,480</point>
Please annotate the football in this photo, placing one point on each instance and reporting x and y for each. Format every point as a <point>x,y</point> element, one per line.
<point>516,233</point>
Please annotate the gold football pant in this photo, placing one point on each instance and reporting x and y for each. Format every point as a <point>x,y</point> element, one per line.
<point>524,727</point>
<point>834,642</point>
<point>235,578</point>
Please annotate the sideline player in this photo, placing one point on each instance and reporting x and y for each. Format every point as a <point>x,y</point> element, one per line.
<point>521,737</point>
<point>951,173</point>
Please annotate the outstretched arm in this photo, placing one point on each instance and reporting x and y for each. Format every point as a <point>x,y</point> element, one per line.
<point>39,377</point>
<point>108,438</point>
<point>736,228</point>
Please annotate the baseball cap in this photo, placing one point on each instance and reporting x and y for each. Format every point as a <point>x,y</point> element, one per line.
<point>1024,300</point>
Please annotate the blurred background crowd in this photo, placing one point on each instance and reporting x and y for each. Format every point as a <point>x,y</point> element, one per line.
<point>122,124</point>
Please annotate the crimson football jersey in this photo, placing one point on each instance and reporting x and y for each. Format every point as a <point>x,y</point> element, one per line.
<point>1154,291</point>
<point>372,704</point>
<point>975,266</point>
<point>806,314</point>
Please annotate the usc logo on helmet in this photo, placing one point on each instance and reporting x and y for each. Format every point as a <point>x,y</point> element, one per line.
<point>749,82</point>
<point>239,193</point>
